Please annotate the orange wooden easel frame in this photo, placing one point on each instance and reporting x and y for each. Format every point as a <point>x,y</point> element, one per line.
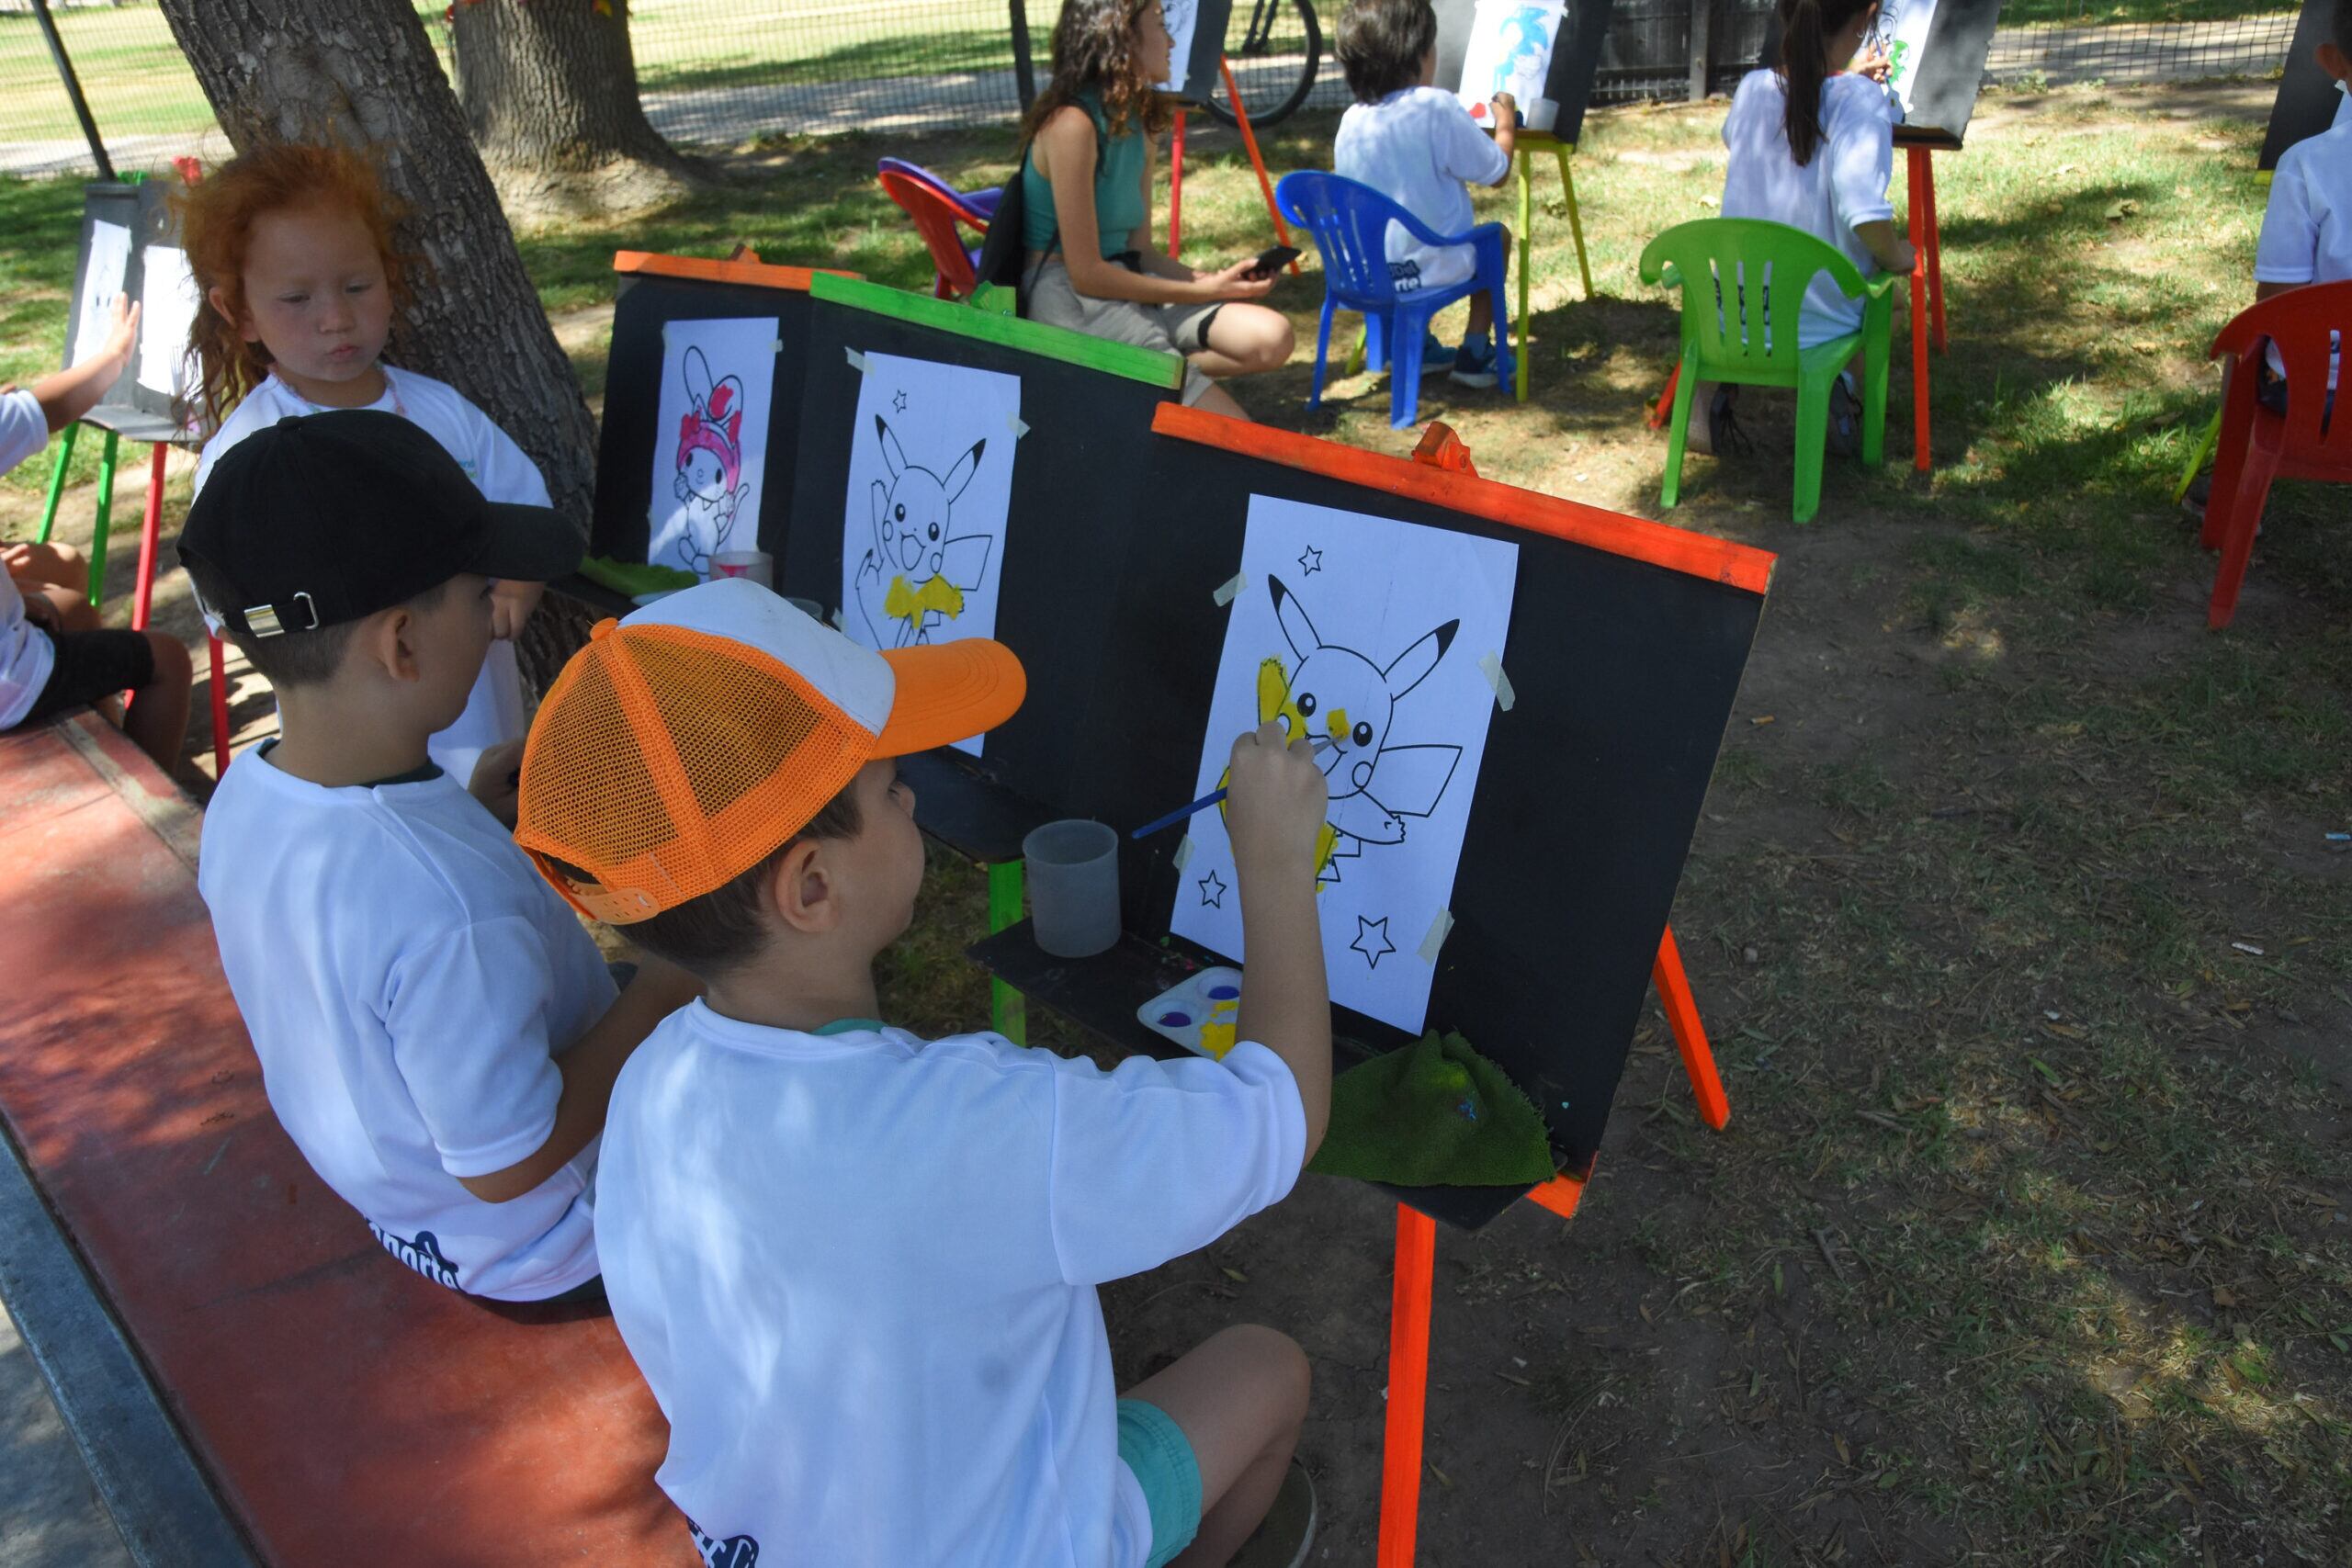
<point>1257,162</point>
<point>1440,472</point>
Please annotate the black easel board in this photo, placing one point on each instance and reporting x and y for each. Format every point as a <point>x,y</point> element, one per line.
<point>1088,404</point>
<point>657,289</point>
<point>1591,784</point>
<point>1210,19</point>
<point>1576,56</point>
<point>1952,72</point>
<point>2308,102</point>
<point>125,225</point>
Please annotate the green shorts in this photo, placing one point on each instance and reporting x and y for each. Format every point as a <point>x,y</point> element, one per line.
<point>1155,1449</point>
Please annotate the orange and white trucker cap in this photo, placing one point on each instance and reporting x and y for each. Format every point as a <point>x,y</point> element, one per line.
<point>688,742</point>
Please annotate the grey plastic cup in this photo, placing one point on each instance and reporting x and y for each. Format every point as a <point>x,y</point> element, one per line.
<point>1073,876</point>
<point>809,607</point>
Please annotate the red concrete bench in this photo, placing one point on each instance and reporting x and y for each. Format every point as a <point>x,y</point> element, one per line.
<point>249,1374</point>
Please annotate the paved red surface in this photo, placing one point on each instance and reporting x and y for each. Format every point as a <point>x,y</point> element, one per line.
<point>348,1411</point>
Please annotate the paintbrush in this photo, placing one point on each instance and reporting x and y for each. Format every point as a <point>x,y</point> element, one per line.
<point>1316,741</point>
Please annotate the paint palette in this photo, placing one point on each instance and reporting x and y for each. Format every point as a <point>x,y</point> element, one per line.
<point>1200,1014</point>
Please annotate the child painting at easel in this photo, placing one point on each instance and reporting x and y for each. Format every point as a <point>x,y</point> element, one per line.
<point>291,247</point>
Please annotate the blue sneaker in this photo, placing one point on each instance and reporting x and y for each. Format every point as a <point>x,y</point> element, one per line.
<point>1435,355</point>
<point>1473,364</point>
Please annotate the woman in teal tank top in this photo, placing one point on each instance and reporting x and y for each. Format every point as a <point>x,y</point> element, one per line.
<point>1093,263</point>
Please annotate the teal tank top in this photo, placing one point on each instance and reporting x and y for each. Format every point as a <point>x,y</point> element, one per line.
<point>1119,188</point>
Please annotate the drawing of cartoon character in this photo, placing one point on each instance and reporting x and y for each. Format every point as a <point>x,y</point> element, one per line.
<point>914,577</point>
<point>709,483</point>
<point>1526,34</point>
<point>1341,695</point>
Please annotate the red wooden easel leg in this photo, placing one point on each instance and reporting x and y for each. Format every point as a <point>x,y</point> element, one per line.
<point>1664,405</point>
<point>1176,187</point>
<point>1919,330</point>
<point>1408,1378</point>
<point>220,711</point>
<point>1935,255</point>
<point>1250,141</point>
<point>150,525</point>
<point>1690,1036</point>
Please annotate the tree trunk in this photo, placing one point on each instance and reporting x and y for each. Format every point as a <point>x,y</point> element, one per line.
<point>549,87</point>
<point>363,72</point>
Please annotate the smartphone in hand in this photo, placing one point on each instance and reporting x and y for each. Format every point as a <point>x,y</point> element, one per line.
<point>1272,259</point>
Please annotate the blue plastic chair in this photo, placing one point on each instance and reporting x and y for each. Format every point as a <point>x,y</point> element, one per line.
<point>1349,222</point>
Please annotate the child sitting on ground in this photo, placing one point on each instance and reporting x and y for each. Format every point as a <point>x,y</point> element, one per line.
<point>291,248</point>
<point>2307,229</point>
<point>1813,146</point>
<point>1417,145</point>
<point>54,653</point>
<point>438,1034</point>
<point>858,1267</point>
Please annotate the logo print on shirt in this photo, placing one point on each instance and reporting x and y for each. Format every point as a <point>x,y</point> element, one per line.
<point>735,1551</point>
<point>423,1253</point>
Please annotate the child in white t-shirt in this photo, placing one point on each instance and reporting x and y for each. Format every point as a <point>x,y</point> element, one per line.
<point>437,1033</point>
<point>291,246</point>
<point>858,1267</point>
<point>54,653</point>
<point>1812,145</point>
<point>2307,229</point>
<point>1417,145</point>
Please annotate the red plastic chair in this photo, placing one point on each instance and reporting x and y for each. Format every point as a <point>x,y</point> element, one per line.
<point>936,211</point>
<point>2256,445</point>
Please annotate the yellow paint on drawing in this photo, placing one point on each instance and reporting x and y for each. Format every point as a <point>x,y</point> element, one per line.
<point>906,603</point>
<point>1336,727</point>
<point>1273,702</point>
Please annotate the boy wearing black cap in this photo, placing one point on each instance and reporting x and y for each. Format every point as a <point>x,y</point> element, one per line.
<point>438,1034</point>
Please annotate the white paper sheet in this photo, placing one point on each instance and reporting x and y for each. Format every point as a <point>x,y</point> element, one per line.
<point>108,271</point>
<point>1379,627</point>
<point>168,305</point>
<point>710,439</point>
<point>1510,51</point>
<point>924,523</point>
<point>1183,18</point>
<point>1903,25</point>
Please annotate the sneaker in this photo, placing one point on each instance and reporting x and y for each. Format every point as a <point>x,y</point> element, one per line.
<point>1286,1535</point>
<point>1845,416</point>
<point>1435,355</point>
<point>1473,364</point>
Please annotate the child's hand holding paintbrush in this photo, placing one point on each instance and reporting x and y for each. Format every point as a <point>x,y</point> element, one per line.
<point>1274,806</point>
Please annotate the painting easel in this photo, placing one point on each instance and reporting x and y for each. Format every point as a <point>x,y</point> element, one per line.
<point>1413,1274</point>
<point>1530,143</point>
<point>1257,162</point>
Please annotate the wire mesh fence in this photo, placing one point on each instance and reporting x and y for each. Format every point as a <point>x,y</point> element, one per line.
<point>721,71</point>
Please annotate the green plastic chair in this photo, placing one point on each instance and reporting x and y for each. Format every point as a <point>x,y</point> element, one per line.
<point>1749,337</point>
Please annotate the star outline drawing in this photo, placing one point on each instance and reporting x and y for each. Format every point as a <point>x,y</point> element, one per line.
<point>1377,929</point>
<point>1213,890</point>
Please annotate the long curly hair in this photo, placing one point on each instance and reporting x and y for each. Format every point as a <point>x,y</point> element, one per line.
<point>1094,47</point>
<point>217,216</point>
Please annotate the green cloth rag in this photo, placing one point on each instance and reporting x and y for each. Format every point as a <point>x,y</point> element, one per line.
<point>1433,1114</point>
<point>626,577</point>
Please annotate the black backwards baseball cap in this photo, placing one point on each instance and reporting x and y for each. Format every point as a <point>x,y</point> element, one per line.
<point>326,517</point>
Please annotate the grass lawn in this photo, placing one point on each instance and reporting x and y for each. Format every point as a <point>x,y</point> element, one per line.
<point>2012,913</point>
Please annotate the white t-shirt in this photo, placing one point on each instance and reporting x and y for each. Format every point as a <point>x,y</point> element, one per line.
<point>858,1271</point>
<point>26,653</point>
<point>499,469</point>
<point>2307,229</point>
<point>1843,187</point>
<point>1418,147</point>
<point>407,979</point>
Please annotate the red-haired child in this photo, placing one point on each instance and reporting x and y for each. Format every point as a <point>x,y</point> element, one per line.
<point>292,249</point>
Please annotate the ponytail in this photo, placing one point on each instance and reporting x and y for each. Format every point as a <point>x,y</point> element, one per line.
<point>1806,27</point>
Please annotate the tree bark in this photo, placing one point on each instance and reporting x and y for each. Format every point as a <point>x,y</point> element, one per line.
<point>549,88</point>
<point>363,72</point>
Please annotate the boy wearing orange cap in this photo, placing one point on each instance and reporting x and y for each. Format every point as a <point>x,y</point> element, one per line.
<point>857,1267</point>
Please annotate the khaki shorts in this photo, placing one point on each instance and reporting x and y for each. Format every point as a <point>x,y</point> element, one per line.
<point>1172,329</point>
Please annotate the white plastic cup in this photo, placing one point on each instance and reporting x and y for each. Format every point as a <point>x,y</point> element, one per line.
<point>757,565</point>
<point>1072,870</point>
<point>809,607</point>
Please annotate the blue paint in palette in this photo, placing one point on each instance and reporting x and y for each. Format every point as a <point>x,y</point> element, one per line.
<point>1175,1020</point>
<point>1224,993</point>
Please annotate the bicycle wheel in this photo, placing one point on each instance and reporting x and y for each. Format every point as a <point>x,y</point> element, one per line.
<point>1275,47</point>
